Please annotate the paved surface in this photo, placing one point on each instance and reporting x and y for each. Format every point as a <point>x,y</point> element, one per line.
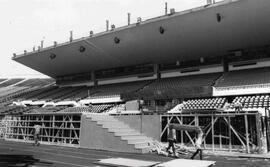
<point>24,154</point>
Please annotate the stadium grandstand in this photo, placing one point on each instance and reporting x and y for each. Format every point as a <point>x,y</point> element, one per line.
<point>208,66</point>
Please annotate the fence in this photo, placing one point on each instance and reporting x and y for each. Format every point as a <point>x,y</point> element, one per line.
<point>60,129</point>
<point>223,131</point>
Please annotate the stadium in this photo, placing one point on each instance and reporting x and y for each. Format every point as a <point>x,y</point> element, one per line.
<point>119,90</point>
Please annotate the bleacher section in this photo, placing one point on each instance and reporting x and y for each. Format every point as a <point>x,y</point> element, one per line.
<point>2,80</point>
<point>76,110</point>
<point>187,86</point>
<point>211,103</point>
<point>195,88</point>
<point>10,82</point>
<point>91,109</point>
<point>35,82</point>
<point>116,89</point>
<point>100,108</point>
<point>259,101</point>
<point>244,77</point>
<point>47,109</point>
<point>55,93</point>
<point>14,109</point>
<point>16,88</point>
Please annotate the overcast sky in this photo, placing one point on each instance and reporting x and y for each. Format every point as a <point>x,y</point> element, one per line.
<point>24,23</point>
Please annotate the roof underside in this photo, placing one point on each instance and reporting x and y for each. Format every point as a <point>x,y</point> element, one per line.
<point>190,35</point>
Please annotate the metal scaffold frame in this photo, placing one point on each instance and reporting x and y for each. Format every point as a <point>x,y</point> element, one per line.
<point>224,131</point>
<point>59,129</point>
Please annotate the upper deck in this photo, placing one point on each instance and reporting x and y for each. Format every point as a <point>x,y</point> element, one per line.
<point>209,30</point>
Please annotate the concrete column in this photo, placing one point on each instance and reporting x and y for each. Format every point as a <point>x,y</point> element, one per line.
<point>156,71</point>
<point>93,78</point>
<point>225,63</point>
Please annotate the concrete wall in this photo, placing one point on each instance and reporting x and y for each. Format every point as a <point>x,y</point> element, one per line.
<point>94,136</point>
<point>149,125</point>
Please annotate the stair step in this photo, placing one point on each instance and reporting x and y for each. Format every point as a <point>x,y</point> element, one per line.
<point>143,149</point>
<point>106,121</point>
<point>140,144</point>
<point>95,116</point>
<point>115,127</point>
<point>121,130</point>
<point>113,124</point>
<point>137,140</point>
<point>127,134</point>
<point>135,137</point>
<point>103,119</point>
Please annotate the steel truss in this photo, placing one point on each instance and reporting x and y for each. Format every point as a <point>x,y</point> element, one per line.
<point>60,129</point>
<point>223,131</point>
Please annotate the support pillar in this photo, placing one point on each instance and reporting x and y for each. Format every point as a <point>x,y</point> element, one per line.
<point>156,71</point>
<point>225,63</point>
<point>93,78</point>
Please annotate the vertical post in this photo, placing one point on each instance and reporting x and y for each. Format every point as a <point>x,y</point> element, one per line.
<point>107,25</point>
<point>196,120</point>
<point>213,139</point>
<point>71,36</point>
<point>168,119</point>
<point>42,128</point>
<point>128,18</point>
<point>182,133</point>
<point>258,132</point>
<point>230,134</point>
<point>166,8</point>
<point>141,121</point>
<point>247,135</point>
<point>220,142</point>
<point>53,126</point>
<point>160,127</point>
<point>41,44</point>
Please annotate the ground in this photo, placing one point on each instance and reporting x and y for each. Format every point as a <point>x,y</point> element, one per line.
<point>24,154</point>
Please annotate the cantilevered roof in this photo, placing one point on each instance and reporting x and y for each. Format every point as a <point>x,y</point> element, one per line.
<point>207,31</point>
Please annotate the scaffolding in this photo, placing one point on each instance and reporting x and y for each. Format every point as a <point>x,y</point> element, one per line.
<point>224,131</point>
<point>57,128</point>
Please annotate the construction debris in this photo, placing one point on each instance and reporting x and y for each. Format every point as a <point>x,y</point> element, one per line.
<point>161,148</point>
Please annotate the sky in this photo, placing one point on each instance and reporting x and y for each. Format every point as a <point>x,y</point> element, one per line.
<point>24,23</point>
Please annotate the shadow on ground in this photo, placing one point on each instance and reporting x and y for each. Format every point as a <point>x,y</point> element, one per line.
<point>7,160</point>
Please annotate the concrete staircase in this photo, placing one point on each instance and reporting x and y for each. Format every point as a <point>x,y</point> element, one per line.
<point>123,132</point>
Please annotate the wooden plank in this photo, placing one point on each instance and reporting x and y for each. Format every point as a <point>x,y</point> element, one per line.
<point>126,162</point>
<point>186,163</point>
